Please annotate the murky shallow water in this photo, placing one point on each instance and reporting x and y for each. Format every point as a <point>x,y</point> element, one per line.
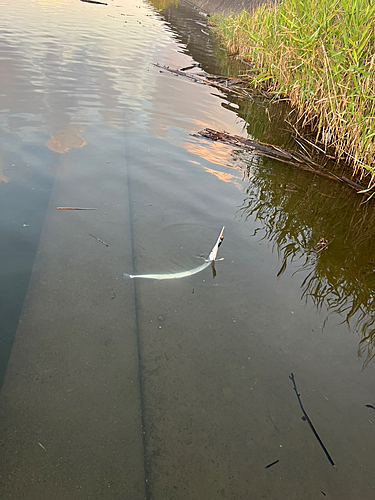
<point>176,389</point>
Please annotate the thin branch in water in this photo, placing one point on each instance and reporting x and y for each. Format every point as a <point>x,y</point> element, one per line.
<point>291,376</point>
<point>40,444</point>
<point>74,208</point>
<point>270,465</point>
<point>94,1</point>
<point>101,241</point>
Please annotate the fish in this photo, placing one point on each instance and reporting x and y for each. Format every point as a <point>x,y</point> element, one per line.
<point>184,274</point>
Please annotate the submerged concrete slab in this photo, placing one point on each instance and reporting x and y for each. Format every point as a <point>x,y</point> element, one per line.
<point>70,410</point>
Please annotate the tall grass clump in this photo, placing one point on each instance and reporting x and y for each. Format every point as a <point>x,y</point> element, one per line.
<point>320,54</point>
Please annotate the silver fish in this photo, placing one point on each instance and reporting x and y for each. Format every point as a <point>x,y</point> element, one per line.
<point>184,274</point>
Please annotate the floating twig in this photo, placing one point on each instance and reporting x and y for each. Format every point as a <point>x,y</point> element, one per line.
<point>75,208</point>
<point>291,376</point>
<point>186,68</point>
<point>101,241</point>
<point>270,465</point>
<point>40,444</point>
<point>370,406</point>
<point>94,1</point>
<point>206,81</point>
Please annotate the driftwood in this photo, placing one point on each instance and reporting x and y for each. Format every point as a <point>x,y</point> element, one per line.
<point>263,149</point>
<point>226,84</point>
<point>295,159</point>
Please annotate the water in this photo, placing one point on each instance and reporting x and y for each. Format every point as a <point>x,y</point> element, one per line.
<point>174,389</point>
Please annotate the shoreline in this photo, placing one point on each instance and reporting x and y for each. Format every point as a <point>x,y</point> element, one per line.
<point>298,61</point>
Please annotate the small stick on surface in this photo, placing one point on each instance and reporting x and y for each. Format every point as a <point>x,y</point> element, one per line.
<point>291,376</point>
<point>40,444</point>
<point>75,208</point>
<point>94,1</point>
<point>270,465</point>
<point>101,241</point>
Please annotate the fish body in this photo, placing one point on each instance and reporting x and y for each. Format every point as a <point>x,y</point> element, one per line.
<point>184,274</point>
<point>170,276</point>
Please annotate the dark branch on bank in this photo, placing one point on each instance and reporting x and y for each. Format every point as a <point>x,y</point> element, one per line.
<point>238,88</point>
<point>275,153</point>
<point>294,159</point>
<point>306,417</point>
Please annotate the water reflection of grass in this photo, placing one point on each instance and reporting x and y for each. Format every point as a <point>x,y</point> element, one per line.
<point>163,4</point>
<point>294,212</point>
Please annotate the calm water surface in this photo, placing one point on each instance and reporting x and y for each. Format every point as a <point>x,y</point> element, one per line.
<point>174,389</point>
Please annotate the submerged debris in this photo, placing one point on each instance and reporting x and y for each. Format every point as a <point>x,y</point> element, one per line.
<point>322,245</point>
<point>306,418</point>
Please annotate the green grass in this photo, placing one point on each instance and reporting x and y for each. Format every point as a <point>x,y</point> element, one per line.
<point>320,54</point>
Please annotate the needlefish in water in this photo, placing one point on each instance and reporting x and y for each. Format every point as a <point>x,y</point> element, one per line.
<point>172,276</point>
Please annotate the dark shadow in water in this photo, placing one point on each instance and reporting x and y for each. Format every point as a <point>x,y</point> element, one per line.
<point>196,40</point>
<point>294,211</point>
